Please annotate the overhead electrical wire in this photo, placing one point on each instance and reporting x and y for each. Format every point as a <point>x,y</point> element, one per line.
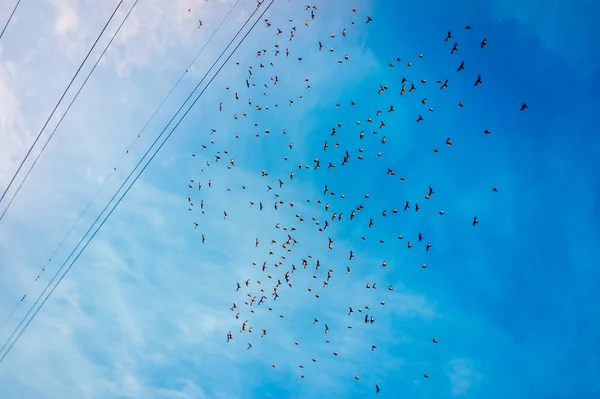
<point>10,18</point>
<point>56,107</point>
<point>47,141</point>
<point>176,84</point>
<point>7,346</point>
<point>107,179</point>
<point>4,352</point>
<point>66,111</point>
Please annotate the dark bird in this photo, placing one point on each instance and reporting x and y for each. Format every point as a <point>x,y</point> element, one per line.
<point>478,81</point>
<point>483,43</point>
<point>523,107</point>
<point>461,66</point>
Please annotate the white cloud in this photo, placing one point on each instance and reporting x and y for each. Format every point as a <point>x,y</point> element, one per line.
<point>67,19</point>
<point>11,120</point>
<point>562,27</point>
<point>147,298</point>
<point>462,376</point>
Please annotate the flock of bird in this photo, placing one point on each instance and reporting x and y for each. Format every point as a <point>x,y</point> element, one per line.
<point>279,274</point>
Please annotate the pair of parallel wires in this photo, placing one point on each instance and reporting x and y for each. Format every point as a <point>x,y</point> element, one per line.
<point>25,322</point>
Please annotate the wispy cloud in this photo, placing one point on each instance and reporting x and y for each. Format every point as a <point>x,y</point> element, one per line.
<point>67,20</point>
<point>561,26</point>
<point>145,311</point>
<point>462,376</point>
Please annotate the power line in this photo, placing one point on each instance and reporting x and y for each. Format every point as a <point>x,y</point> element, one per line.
<point>116,166</point>
<point>66,112</point>
<point>128,188</point>
<point>57,104</point>
<point>10,346</point>
<point>10,18</point>
<point>47,141</point>
<point>176,84</point>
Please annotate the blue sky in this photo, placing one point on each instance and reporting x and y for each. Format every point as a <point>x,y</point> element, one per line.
<point>145,311</point>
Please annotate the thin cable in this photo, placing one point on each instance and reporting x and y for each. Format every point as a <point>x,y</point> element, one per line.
<point>115,167</point>
<point>57,104</point>
<point>66,111</point>
<point>10,18</point>
<point>127,190</point>
<point>38,157</point>
<point>8,349</point>
<point>176,84</point>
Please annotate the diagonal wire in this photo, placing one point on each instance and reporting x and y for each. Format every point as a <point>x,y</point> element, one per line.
<point>38,156</point>
<point>7,347</point>
<point>65,113</point>
<point>176,84</point>
<point>56,107</point>
<point>10,18</point>
<point>43,269</point>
